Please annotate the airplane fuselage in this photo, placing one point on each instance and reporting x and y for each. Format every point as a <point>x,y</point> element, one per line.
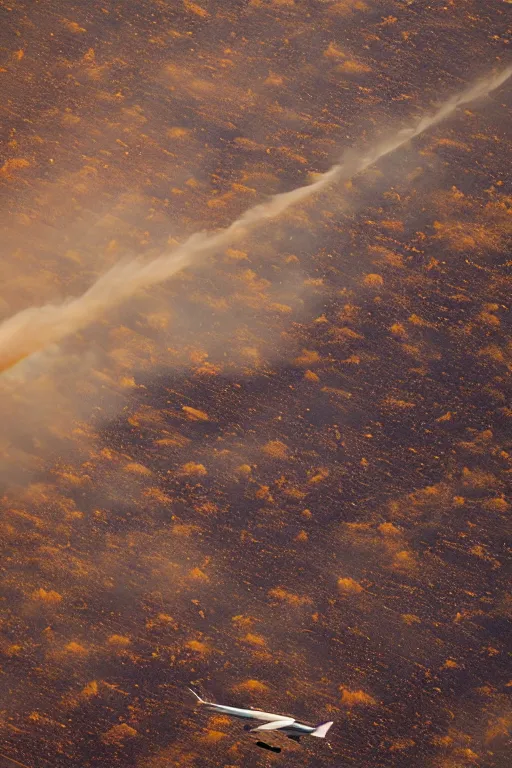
<point>270,721</point>
<point>294,728</point>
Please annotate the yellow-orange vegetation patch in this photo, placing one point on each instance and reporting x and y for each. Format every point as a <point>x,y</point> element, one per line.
<point>288,597</point>
<point>185,529</point>
<point>157,495</point>
<point>401,744</point>
<point>146,417</point>
<point>235,255</point>
<point>373,280</point>
<point>301,536</point>
<point>72,478</point>
<point>464,236</point>
<point>90,690</point>
<point>396,402</point>
<point>253,639</point>
<point>89,56</point>
<point>242,188</point>
<point>192,468</point>
<point>287,152</point>
<point>487,318</point>
<point>498,504</point>
<point>248,143</point>
<point>12,650</point>
<point>263,492</point>
<point>217,721</point>
<point>276,449</point>
<point>194,414</point>
<point>352,67</point>
<point>343,333</point>
<point>388,529</point>
<point>477,478</point>
<point>76,648</point>
<point>207,508</point>
<point>72,26</point>
<point>349,586</point>
<point>196,355</point>
<point>36,717</point>
<point>175,439</point>
<point>466,755</point>
<point>118,734</point>
<point>273,79</point>
<point>137,469</point>
<point>313,282</point>
<point>354,698</point>
<point>213,737</point>
<point>456,145</point>
<point>499,728</point>
<point>22,515</point>
<point>127,382</point>
<point>198,575</point>
<point>345,7</point>
<point>397,329</point>
<point>45,596</point>
<point>410,618</point>
<point>450,664</point>
<point>349,313</point>
<point>255,686</point>
<point>243,621</point>
<point>195,9</point>
<point>177,132</point>
<point>386,255</point>
<point>479,551</point>
<point>197,646</point>
<point>252,282</point>
<point>494,352</point>
<point>319,476</point>
<point>419,321</point>
<point>206,368</point>
<point>404,560</point>
<point>161,620</point>
<point>333,52</point>
<point>430,493</point>
<point>282,309</point>
<point>119,641</point>
<point>311,376</point>
<point>307,358</point>
<point>442,741</point>
<point>14,164</point>
<point>357,527</point>
<point>393,225</point>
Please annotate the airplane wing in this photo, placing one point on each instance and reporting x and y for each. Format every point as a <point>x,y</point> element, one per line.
<point>275,725</point>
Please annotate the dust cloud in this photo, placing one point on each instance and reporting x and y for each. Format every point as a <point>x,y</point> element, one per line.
<point>33,329</point>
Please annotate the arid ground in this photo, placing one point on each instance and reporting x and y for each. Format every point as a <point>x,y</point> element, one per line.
<point>283,475</point>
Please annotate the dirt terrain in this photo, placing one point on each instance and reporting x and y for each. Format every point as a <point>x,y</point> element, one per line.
<point>282,475</point>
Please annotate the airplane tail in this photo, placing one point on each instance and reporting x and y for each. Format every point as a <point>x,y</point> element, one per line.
<point>196,696</point>
<point>321,730</point>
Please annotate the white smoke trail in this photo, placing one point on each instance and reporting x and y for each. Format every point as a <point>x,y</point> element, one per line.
<point>35,328</point>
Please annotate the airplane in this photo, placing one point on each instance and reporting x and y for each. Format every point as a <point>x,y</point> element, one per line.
<point>271,722</point>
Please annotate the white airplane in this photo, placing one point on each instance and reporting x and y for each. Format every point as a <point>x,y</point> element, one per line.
<point>271,722</point>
